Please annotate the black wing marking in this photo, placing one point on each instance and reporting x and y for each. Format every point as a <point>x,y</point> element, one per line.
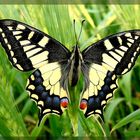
<point>103,61</point>
<point>30,49</point>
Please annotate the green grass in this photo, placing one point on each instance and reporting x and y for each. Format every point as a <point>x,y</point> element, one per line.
<point>19,115</point>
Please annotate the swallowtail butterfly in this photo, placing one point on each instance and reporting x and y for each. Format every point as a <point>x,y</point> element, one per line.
<point>54,66</point>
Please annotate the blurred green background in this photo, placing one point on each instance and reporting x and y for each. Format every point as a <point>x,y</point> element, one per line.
<point>19,114</point>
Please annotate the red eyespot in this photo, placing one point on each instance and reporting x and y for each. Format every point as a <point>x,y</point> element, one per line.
<point>64,102</point>
<point>83,104</point>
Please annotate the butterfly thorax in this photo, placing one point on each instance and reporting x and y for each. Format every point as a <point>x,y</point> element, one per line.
<point>75,62</point>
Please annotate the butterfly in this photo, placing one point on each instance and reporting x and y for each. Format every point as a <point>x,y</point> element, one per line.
<point>54,66</point>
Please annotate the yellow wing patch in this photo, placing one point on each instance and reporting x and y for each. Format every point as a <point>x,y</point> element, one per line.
<point>98,90</point>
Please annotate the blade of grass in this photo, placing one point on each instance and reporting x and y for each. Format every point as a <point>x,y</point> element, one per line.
<point>111,107</point>
<point>131,117</point>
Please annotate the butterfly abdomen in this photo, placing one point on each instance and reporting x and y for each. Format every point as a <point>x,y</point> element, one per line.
<point>75,67</point>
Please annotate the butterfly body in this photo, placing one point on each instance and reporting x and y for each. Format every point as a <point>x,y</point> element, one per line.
<point>53,66</point>
<point>75,64</point>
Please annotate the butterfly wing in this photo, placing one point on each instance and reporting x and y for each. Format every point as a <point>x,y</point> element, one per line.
<point>30,49</point>
<point>102,62</point>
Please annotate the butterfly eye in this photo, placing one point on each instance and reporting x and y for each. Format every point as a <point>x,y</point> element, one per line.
<point>64,102</point>
<point>83,104</point>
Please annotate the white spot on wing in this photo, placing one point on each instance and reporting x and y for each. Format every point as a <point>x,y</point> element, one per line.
<point>33,52</point>
<point>129,44</point>
<point>18,37</point>
<point>98,111</point>
<point>138,49</point>
<point>30,35</point>
<point>5,40</point>
<point>125,70</point>
<point>121,53</point>
<point>25,42</point>
<point>41,103</point>
<point>39,57</point>
<point>34,96</point>
<point>136,37</point>
<point>108,44</point>
<point>28,47</point>
<point>132,59</point>
<point>55,112</point>
<point>134,54</point>
<point>109,95</point>
<point>17,32</point>
<point>46,111</point>
<point>20,26</point>
<point>113,86</point>
<point>15,60</point>
<point>116,56</point>
<point>0,30</point>
<point>19,67</point>
<point>103,102</point>
<point>90,113</point>
<point>109,60</point>
<point>130,40</point>
<point>128,35</point>
<point>120,40</point>
<point>9,46</point>
<point>31,87</point>
<point>10,28</point>
<point>43,41</point>
<point>129,65</point>
<point>12,53</point>
<point>113,77</point>
<point>32,77</point>
<point>124,48</point>
<point>3,35</point>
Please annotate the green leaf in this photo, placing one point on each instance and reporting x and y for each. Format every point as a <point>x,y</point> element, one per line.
<point>134,134</point>
<point>130,118</point>
<point>111,107</point>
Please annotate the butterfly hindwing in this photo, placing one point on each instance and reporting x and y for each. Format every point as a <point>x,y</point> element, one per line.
<point>31,49</point>
<point>47,92</point>
<point>103,61</point>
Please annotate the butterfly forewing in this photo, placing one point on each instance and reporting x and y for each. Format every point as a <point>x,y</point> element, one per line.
<point>103,61</point>
<point>31,49</point>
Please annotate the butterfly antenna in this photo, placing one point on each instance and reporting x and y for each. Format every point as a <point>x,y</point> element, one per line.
<point>75,31</point>
<point>80,31</point>
<point>77,38</point>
